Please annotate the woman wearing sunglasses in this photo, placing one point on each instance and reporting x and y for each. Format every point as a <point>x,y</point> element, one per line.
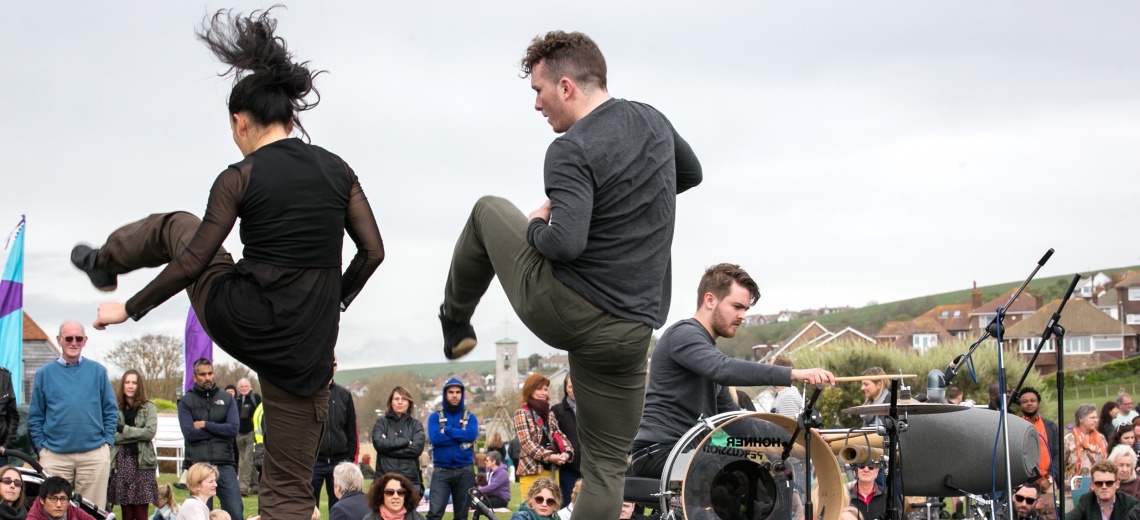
<point>393,497</point>
<point>542,502</point>
<point>12,495</point>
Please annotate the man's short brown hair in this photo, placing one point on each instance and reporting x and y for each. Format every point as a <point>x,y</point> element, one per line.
<point>718,280</point>
<point>783,361</point>
<point>1103,466</point>
<point>573,55</point>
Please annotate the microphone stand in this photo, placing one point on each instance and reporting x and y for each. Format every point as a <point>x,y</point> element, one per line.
<point>894,428</point>
<point>807,420</point>
<point>995,325</point>
<point>1053,328</point>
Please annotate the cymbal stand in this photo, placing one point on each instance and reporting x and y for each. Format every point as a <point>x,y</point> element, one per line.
<point>807,420</point>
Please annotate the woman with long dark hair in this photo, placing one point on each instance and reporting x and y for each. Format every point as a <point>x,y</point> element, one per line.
<point>12,494</point>
<point>399,438</point>
<point>278,309</point>
<point>1108,412</point>
<point>133,460</point>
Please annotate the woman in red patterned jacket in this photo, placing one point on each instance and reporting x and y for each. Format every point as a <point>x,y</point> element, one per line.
<point>543,445</point>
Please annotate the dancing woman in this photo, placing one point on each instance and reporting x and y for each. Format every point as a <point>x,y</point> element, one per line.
<point>278,309</point>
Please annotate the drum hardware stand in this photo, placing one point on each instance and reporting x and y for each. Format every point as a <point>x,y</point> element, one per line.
<point>1052,328</point>
<point>894,427</point>
<point>807,420</point>
<point>978,503</point>
<point>995,328</point>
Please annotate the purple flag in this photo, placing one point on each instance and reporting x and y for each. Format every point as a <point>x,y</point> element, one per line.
<point>197,345</point>
<point>12,312</point>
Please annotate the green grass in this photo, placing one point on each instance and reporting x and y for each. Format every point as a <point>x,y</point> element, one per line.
<point>250,502</point>
<point>1093,393</point>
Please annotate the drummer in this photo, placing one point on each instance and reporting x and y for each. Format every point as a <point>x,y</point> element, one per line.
<point>689,377</point>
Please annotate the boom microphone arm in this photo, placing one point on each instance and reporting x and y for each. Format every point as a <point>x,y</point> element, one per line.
<point>995,324</point>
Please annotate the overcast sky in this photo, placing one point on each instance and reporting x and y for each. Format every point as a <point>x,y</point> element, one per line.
<point>852,151</point>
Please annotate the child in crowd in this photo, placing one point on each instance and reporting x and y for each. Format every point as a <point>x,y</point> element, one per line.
<point>165,506</point>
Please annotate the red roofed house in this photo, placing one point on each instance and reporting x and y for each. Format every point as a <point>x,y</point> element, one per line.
<point>1091,336</point>
<point>920,334</point>
<point>1128,299</point>
<point>38,351</point>
<point>1022,308</point>
<point>955,318</point>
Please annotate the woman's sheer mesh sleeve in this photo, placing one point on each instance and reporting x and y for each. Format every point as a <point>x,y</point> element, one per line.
<point>360,223</point>
<point>187,264</point>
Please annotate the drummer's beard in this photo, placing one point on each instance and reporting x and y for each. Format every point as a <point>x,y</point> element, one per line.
<point>724,325</point>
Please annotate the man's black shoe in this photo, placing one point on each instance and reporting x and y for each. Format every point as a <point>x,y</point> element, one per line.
<point>84,258</point>
<point>458,338</point>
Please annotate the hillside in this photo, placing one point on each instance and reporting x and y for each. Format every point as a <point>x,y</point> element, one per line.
<point>427,370</point>
<point>871,318</point>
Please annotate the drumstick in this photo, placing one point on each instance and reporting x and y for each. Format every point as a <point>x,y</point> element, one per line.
<point>856,379</point>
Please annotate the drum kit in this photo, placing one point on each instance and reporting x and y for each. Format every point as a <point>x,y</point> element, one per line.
<point>750,466</point>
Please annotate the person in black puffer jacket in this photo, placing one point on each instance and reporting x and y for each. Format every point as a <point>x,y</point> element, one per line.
<point>339,442</point>
<point>399,438</point>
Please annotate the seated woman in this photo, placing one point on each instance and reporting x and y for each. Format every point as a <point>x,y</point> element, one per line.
<point>496,492</point>
<point>393,497</point>
<point>542,501</point>
<point>202,480</point>
<point>1125,460</point>
<point>12,494</point>
<point>54,502</point>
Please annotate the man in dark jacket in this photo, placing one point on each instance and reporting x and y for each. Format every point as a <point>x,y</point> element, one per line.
<point>566,413</point>
<point>339,443</point>
<point>348,486</point>
<point>452,431</point>
<point>1104,499</point>
<point>209,421</point>
<point>867,496</point>
<point>9,415</point>
<point>399,439</point>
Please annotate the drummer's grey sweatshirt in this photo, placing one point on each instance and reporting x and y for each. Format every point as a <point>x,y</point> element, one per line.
<point>689,378</point>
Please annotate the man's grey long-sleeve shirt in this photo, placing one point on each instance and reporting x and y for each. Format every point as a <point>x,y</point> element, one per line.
<point>612,180</point>
<point>689,378</point>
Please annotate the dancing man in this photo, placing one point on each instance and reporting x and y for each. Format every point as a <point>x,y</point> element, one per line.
<point>278,309</point>
<point>588,271</point>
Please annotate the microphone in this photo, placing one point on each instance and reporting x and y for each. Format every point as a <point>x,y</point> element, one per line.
<point>936,386</point>
<point>478,504</point>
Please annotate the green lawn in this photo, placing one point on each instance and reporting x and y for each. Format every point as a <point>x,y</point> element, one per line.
<point>1094,394</point>
<point>250,503</point>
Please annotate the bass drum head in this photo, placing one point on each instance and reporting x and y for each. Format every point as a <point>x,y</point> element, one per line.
<point>734,473</point>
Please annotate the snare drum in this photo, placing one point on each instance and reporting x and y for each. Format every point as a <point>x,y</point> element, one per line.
<point>727,467</point>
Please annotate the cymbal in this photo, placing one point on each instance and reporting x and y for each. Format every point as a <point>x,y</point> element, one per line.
<point>905,406</point>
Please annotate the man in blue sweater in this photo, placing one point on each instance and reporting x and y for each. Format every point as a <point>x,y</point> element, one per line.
<point>73,417</point>
<point>452,431</point>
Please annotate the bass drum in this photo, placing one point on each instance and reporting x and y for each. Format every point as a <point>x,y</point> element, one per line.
<point>728,467</point>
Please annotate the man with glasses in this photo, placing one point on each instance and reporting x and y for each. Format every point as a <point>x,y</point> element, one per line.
<point>1025,502</point>
<point>73,417</point>
<point>867,496</point>
<point>1105,501</point>
<point>1127,413</point>
<point>55,502</point>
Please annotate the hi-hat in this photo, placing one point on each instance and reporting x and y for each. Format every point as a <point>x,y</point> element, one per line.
<point>905,406</point>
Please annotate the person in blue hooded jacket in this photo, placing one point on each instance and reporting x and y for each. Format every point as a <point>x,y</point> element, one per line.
<point>452,431</point>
